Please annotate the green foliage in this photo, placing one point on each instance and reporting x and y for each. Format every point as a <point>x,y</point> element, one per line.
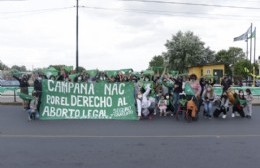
<point>3,66</point>
<point>81,69</point>
<point>57,67</point>
<point>19,68</point>
<point>230,57</point>
<point>185,50</point>
<point>239,68</point>
<point>157,63</point>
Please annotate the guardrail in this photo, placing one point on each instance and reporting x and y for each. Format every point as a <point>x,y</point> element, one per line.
<point>12,92</point>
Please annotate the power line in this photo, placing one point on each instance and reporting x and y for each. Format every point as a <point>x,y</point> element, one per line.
<point>170,13</point>
<point>194,4</point>
<point>30,13</point>
<point>38,10</point>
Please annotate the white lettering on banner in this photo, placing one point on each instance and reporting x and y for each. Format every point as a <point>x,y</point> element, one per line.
<point>122,102</point>
<point>119,112</point>
<point>114,89</point>
<point>91,101</point>
<point>70,87</point>
<point>57,100</point>
<point>97,114</point>
<point>74,113</point>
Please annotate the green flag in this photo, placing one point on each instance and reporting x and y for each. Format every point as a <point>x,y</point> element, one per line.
<point>111,73</point>
<point>92,73</point>
<point>73,76</point>
<point>25,96</point>
<point>68,68</point>
<point>51,72</point>
<point>126,71</point>
<point>188,90</point>
<point>148,73</point>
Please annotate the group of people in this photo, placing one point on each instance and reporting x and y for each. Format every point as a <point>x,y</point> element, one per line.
<point>162,95</point>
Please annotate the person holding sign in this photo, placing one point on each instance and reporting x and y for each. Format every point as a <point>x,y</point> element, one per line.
<point>144,104</point>
<point>24,84</point>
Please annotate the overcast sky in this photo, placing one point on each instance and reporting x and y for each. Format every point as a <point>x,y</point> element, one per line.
<point>114,34</point>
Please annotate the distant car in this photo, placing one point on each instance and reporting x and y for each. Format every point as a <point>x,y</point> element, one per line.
<point>250,82</point>
<point>9,83</point>
<point>257,83</point>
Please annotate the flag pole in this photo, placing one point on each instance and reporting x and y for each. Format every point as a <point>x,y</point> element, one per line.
<point>254,57</point>
<point>251,29</point>
<point>247,48</point>
<point>77,35</point>
<point>254,44</point>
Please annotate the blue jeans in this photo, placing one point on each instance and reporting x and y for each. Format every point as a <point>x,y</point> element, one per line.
<point>176,97</point>
<point>208,108</point>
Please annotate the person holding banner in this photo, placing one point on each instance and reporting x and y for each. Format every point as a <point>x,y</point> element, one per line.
<point>63,76</point>
<point>144,104</point>
<point>24,84</point>
<point>37,86</point>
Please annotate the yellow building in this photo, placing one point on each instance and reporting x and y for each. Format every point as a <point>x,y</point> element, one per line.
<point>216,70</point>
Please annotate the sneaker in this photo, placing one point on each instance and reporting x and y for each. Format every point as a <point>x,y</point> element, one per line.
<point>224,116</point>
<point>154,113</point>
<point>139,117</point>
<point>237,115</point>
<point>248,116</point>
<point>29,118</point>
<point>232,115</point>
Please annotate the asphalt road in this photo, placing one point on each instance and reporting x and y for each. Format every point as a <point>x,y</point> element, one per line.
<point>158,143</point>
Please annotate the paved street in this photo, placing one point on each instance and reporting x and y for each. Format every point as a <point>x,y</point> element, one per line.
<point>162,142</point>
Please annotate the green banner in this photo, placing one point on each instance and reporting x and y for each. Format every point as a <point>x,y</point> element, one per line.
<point>67,100</point>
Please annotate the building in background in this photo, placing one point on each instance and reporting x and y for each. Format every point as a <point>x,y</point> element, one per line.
<point>208,70</point>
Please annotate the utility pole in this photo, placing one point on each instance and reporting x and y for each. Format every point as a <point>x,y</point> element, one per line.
<point>77,35</point>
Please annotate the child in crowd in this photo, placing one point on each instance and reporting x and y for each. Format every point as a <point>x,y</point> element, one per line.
<point>162,105</point>
<point>32,111</point>
<point>249,99</point>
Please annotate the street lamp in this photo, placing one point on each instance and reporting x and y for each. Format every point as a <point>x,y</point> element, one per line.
<point>77,35</point>
<point>258,65</point>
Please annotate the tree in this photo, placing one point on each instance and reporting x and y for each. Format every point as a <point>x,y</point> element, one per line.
<point>81,69</point>
<point>230,57</point>
<point>157,63</point>
<point>19,68</point>
<point>185,50</point>
<point>3,66</point>
<point>242,67</point>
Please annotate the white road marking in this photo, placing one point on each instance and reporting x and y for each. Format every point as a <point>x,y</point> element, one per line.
<point>130,136</point>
